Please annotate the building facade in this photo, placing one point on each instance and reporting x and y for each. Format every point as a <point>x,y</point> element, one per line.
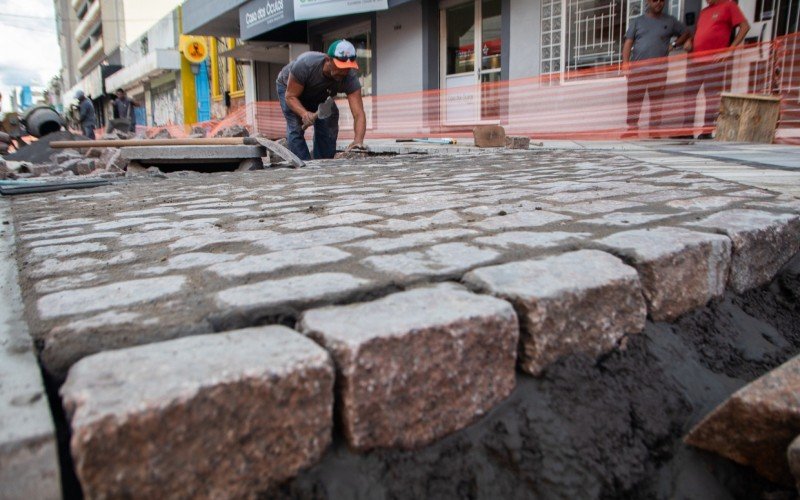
<point>413,45</point>
<point>91,34</point>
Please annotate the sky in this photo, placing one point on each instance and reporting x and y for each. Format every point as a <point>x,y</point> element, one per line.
<point>29,52</point>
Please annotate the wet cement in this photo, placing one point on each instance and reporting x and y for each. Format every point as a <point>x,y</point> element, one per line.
<point>605,429</point>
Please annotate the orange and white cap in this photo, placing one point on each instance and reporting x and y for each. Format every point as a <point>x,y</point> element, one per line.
<point>343,54</point>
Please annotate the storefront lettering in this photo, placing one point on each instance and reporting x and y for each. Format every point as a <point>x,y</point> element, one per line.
<point>267,12</point>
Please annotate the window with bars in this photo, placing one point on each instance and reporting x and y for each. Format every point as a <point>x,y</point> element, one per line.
<point>580,34</point>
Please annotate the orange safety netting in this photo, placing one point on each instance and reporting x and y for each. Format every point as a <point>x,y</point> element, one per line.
<point>672,96</point>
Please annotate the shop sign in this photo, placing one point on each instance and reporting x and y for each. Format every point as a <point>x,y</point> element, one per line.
<point>315,9</point>
<point>260,16</point>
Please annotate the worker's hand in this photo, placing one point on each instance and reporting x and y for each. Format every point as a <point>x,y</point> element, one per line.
<point>626,69</point>
<point>688,46</point>
<point>355,145</point>
<point>308,119</point>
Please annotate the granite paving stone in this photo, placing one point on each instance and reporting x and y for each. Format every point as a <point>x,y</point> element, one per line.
<point>679,269</point>
<point>756,425</point>
<point>582,301</point>
<point>443,260</point>
<point>417,365</point>
<point>239,249</point>
<point>212,416</point>
<point>762,243</point>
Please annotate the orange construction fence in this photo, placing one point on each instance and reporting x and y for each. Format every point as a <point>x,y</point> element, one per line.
<point>673,96</point>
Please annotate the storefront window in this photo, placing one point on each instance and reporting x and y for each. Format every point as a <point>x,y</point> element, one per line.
<point>461,39</point>
<point>491,34</point>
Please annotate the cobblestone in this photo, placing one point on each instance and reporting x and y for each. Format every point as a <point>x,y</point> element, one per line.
<point>762,243</point>
<point>247,409</point>
<point>264,246</point>
<point>680,269</point>
<point>417,365</point>
<point>582,301</point>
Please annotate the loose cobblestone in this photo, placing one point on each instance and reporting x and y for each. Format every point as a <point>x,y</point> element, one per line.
<point>417,365</point>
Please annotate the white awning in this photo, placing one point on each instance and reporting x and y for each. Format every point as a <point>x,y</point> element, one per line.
<point>153,64</point>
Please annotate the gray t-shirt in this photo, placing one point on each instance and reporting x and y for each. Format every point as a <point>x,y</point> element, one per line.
<point>651,35</point>
<point>307,71</point>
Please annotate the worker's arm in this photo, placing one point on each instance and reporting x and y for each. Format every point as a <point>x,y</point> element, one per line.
<point>359,118</point>
<point>83,112</point>
<point>294,90</point>
<point>626,55</point>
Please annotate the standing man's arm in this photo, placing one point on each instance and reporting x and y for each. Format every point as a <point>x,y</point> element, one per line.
<point>294,90</point>
<point>359,119</point>
<point>627,47</point>
<point>744,28</point>
<point>685,40</point>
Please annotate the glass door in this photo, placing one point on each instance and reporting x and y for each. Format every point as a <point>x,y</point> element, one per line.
<point>471,56</point>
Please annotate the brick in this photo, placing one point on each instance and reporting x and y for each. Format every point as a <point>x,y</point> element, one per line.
<point>627,219</point>
<point>122,293</point>
<point>793,455</point>
<point>489,136</point>
<point>271,262</point>
<point>333,220</point>
<point>222,415</point>
<point>582,301</point>
<point>680,270</point>
<point>756,425</point>
<point>447,259</point>
<point>444,217</point>
<point>191,260</point>
<point>410,240</point>
<point>313,238</point>
<point>298,290</point>
<point>704,203</point>
<point>417,365</point>
<point>58,251</point>
<point>532,239</point>
<point>762,243</point>
<point>518,142</point>
<point>521,220</point>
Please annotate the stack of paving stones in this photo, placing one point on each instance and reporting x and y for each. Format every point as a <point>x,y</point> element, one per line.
<point>418,285</point>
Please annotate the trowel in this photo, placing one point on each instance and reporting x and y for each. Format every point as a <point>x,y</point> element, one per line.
<point>324,110</point>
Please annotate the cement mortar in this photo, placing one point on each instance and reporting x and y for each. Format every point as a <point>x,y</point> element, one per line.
<point>610,429</point>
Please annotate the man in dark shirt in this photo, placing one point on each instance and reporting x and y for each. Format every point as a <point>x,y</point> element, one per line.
<point>86,115</point>
<point>307,82</point>
<point>647,46</point>
<point>123,109</point>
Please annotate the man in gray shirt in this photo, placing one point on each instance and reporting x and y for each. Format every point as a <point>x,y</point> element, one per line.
<point>644,60</point>
<point>307,82</point>
<point>86,115</point>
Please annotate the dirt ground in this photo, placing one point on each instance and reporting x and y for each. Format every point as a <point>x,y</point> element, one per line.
<point>610,429</point>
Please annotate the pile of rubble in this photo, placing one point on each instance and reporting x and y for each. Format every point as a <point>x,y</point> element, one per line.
<point>40,160</point>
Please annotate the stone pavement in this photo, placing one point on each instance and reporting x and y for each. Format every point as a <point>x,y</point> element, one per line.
<point>575,246</point>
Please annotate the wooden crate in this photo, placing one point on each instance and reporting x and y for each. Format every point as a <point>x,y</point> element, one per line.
<point>748,117</point>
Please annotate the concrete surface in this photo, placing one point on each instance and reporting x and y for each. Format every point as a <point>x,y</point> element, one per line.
<point>191,154</point>
<point>28,455</point>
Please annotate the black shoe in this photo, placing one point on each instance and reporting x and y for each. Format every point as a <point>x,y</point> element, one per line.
<point>707,135</point>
